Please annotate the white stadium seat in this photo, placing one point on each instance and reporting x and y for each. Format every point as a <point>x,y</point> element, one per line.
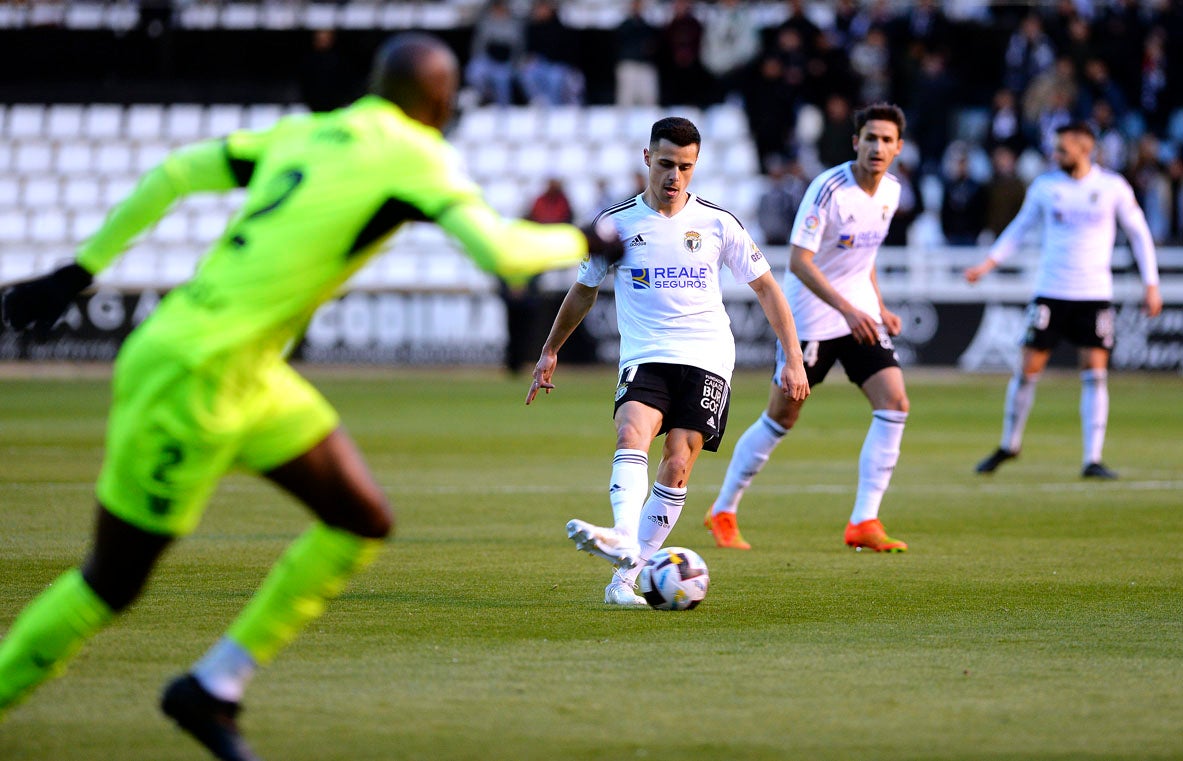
<point>10,192</point>
<point>48,226</point>
<point>81,192</point>
<point>113,158</point>
<point>183,121</point>
<point>25,120</point>
<point>74,157</point>
<point>145,121</point>
<point>84,223</point>
<point>223,119</point>
<point>33,156</point>
<point>64,121</point>
<point>102,120</point>
<point>43,191</point>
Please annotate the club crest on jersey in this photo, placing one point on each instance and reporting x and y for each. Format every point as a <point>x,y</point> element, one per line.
<point>641,279</point>
<point>692,241</point>
<point>885,214</point>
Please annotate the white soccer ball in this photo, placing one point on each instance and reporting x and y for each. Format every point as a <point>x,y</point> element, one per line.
<point>674,579</point>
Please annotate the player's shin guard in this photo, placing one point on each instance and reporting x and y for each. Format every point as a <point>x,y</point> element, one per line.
<point>630,484</point>
<point>47,633</point>
<point>751,454</point>
<point>312,571</point>
<point>1094,413</point>
<point>1020,397</point>
<point>876,462</point>
<point>658,518</point>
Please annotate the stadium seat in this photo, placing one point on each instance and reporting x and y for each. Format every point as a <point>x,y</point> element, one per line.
<point>739,160</point>
<point>41,191</point>
<point>397,16</point>
<point>223,118</point>
<point>183,121</point>
<point>173,228</point>
<point>48,226</point>
<point>148,154</point>
<point>64,121</point>
<point>113,158</point>
<point>16,265</point>
<point>102,121</point>
<point>25,120</point>
<point>638,123</point>
<point>10,192</point>
<point>145,121</point>
<point>358,16</point>
<point>33,156</point>
<point>74,157</point>
<point>84,223</point>
<point>489,161</point>
<point>523,124</point>
<point>563,123</point>
<point>116,188</point>
<point>810,122</point>
<point>199,15</point>
<point>278,16</point>
<point>262,115</point>
<point>6,156</point>
<point>81,192</point>
<point>320,16</point>
<point>239,16</point>
<point>725,122</point>
<point>601,123</point>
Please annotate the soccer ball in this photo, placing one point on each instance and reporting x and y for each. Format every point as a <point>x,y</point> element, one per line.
<point>674,579</point>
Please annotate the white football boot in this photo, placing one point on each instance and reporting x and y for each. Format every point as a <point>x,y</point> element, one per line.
<point>621,593</point>
<point>607,543</point>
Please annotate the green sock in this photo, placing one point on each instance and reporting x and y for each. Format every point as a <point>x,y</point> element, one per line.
<point>312,570</point>
<point>47,633</point>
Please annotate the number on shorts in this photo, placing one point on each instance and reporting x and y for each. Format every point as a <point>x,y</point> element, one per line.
<point>170,456</point>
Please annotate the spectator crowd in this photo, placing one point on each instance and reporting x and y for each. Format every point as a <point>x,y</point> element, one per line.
<point>984,92</point>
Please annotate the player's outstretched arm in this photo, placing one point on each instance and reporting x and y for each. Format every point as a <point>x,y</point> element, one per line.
<point>793,382</point>
<point>519,248</point>
<point>576,304</point>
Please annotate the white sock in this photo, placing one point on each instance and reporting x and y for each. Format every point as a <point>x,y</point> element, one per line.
<point>1094,412</point>
<point>881,451</point>
<point>630,484</point>
<point>658,519</point>
<point>751,453</point>
<point>225,670</point>
<point>1020,397</point>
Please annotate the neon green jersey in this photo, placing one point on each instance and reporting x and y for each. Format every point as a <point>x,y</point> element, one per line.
<point>323,193</point>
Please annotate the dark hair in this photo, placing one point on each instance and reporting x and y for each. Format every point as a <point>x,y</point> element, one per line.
<point>887,112</point>
<point>1077,128</point>
<point>394,73</point>
<point>679,131</point>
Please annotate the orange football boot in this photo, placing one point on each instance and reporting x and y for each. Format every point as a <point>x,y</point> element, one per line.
<point>726,530</point>
<point>871,534</point>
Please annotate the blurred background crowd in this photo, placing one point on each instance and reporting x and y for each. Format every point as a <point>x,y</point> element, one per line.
<point>983,85</point>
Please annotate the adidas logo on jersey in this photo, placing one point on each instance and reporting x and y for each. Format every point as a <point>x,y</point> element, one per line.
<point>637,241</point>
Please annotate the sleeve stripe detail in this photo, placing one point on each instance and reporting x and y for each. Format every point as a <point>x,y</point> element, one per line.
<point>716,207</point>
<point>630,203</point>
<point>390,215</point>
<point>829,186</point>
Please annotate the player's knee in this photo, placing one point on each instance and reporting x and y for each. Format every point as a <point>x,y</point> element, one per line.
<point>117,591</point>
<point>377,520</point>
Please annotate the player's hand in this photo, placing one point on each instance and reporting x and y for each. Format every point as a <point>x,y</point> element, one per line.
<point>39,302</point>
<point>862,326</point>
<point>891,321</point>
<point>975,273</point>
<point>793,382</point>
<point>1152,301</point>
<point>603,241</point>
<point>542,375</point>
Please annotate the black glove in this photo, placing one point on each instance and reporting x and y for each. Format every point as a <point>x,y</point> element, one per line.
<point>38,303</point>
<point>603,241</point>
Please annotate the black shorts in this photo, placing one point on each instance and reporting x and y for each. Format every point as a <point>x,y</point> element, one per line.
<point>860,361</point>
<point>687,397</point>
<point>1080,323</point>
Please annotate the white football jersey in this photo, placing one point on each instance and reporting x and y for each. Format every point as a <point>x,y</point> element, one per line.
<point>843,226</point>
<point>1079,226</point>
<point>669,306</point>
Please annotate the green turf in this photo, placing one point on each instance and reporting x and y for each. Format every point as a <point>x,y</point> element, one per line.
<point>1036,616</point>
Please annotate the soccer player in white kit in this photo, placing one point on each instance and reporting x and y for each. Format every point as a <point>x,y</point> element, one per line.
<point>834,294</point>
<point>676,347</point>
<point>1078,204</point>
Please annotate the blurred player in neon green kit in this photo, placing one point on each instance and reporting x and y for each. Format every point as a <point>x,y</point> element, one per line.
<point>203,385</point>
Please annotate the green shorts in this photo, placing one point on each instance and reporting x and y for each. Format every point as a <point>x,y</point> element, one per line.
<point>174,430</point>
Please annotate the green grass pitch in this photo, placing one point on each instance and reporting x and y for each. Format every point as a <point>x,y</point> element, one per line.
<point>1036,616</point>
